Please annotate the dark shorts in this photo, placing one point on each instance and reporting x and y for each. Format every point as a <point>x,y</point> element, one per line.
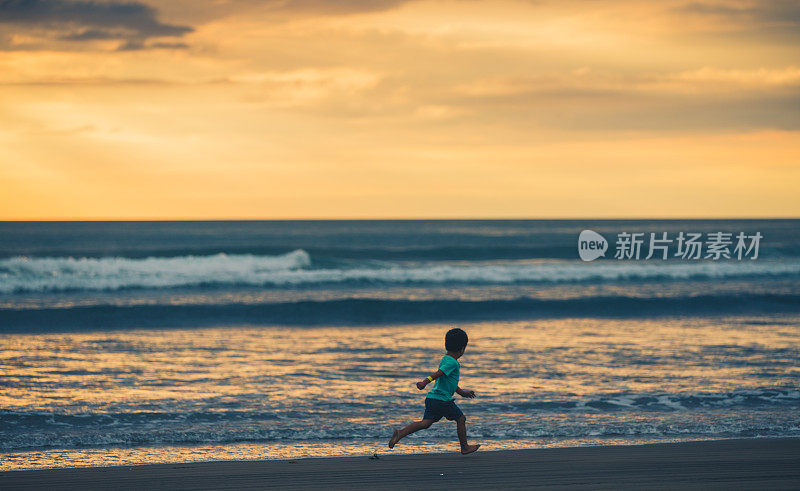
<point>435,409</point>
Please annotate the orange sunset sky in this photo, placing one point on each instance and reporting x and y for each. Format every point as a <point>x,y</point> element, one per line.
<point>399,109</point>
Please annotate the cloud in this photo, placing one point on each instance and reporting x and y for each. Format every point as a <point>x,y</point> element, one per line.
<point>705,99</point>
<point>335,7</point>
<point>763,10</point>
<point>307,87</point>
<point>706,80</point>
<point>80,25</point>
<point>761,14</point>
<point>270,12</point>
<point>47,24</point>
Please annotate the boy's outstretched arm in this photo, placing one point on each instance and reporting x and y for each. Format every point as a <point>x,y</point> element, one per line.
<point>465,393</point>
<point>422,383</point>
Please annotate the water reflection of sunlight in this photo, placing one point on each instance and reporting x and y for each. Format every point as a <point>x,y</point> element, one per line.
<point>511,359</point>
<point>317,378</point>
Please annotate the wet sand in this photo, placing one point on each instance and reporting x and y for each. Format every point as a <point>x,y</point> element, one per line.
<point>725,464</point>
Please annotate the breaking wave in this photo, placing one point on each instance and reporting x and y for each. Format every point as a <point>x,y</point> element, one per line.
<point>297,269</point>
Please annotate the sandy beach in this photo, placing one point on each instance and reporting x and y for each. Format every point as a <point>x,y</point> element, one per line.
<point>724,464</point>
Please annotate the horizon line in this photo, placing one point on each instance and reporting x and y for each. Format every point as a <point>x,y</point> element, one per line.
<point>332,219</point>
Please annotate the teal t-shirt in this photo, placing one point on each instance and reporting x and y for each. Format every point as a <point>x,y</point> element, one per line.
<point>446,384</point>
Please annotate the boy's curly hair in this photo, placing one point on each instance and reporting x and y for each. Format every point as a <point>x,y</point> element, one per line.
<point>455,340</point>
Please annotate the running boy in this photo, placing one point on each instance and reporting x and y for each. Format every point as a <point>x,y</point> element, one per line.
<point>440,399</point>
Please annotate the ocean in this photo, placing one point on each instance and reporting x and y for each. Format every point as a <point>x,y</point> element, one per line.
<point>145,342</point>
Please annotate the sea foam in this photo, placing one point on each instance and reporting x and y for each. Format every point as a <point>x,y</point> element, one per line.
<point>296,268</point>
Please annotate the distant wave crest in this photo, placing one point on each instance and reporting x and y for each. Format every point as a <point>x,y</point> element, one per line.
<point>21,274</point>
<point>295,268</point>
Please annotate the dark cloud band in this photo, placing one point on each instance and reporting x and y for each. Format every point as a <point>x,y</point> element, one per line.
<point>130,22</point>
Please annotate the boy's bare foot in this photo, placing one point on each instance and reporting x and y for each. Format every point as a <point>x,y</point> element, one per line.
<point>467,449</point>
<point>394,438</point>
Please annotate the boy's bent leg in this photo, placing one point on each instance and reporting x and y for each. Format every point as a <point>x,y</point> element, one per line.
<point>461,428</point>
<point>411,428</point>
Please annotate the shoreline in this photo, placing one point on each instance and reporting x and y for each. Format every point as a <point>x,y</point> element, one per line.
<point>382,452</point>
<point>732,463</point>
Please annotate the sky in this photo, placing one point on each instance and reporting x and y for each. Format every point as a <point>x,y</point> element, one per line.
<point>245,109</point>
